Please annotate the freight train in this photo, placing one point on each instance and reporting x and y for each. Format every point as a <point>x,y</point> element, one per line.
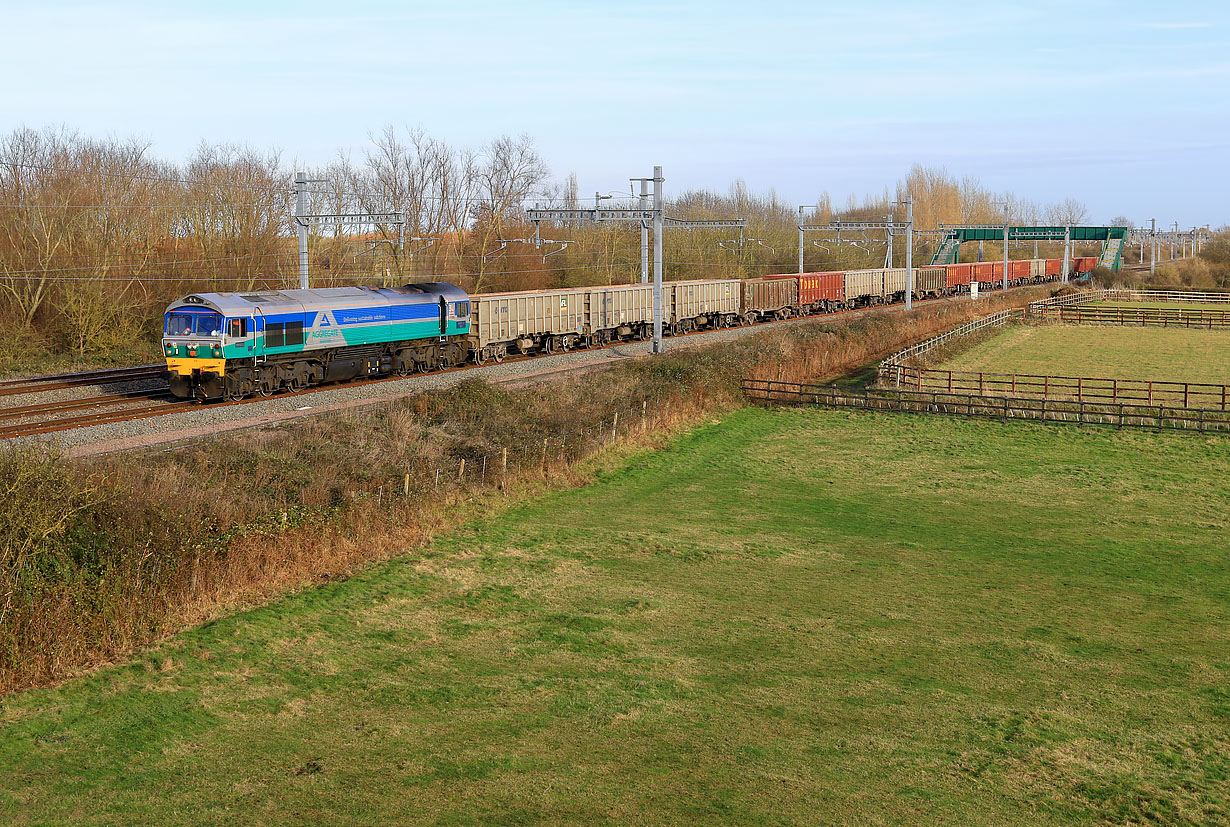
<point>233,345</point>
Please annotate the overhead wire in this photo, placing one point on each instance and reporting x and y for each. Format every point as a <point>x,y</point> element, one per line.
<point>20,276</point>
<point>135,176</point>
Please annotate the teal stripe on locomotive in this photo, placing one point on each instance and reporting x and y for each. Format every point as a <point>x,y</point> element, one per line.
<point>274,323</point>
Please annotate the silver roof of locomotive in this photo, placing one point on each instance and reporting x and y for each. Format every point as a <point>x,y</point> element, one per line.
<point>269,301</point>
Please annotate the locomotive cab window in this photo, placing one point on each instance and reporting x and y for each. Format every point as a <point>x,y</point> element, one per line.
<point>463,310</point>
<point>237,328</point>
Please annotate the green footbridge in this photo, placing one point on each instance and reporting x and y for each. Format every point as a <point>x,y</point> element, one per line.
<point>1112,238</point>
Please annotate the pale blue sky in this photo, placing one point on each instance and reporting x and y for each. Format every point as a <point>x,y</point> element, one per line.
<point>1123,105</point>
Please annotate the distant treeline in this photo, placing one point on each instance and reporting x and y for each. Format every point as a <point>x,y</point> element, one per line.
<point>97,235</point>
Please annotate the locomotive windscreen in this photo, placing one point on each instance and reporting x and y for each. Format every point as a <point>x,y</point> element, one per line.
<point>202,324</point>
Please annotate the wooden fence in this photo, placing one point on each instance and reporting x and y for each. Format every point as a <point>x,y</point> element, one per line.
<point>1120,415</point>
<point>1199,318</point>
<point>1080,388</point>
<point>1196,296</point>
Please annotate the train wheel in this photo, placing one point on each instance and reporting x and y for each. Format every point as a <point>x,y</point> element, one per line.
<point>499,353</point>
<point>266,387</point>
<point>232,390</point>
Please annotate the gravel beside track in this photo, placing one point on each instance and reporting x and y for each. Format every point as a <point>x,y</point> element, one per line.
<point>203,419</point>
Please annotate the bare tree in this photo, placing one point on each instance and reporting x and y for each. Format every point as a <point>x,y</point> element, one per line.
<point>1068,212</point>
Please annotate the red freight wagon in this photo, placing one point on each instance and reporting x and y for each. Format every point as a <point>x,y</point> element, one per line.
<point>1018,270</point>
<point>1054,267</point>
<point>958,275</point>
<point>984,271</point>
<point>818,291</point>
<point>1085,264</point>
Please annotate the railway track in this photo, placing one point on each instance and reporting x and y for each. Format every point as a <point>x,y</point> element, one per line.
<point>47,417</point>
<point>36,384</point>
<point>167,404</point>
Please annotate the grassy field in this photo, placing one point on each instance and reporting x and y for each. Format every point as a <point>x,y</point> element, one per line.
<point>786,617</point>
<point>1108,352</point>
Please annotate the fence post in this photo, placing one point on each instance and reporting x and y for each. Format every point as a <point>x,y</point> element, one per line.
<point>484,477</point>
<point>503,464</point>
<point>406,487</point>
<point>614,426</point>
<point>380,496</point>
<point>1186,388</point>
<point>461,469</point>
<point>437,479</point>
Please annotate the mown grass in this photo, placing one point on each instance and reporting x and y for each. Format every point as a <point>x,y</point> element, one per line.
<point>1108,352</point>
<point>787,617</point>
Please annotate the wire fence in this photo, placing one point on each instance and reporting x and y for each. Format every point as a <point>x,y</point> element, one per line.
<point>1073,412</point>
<point>495,468</point>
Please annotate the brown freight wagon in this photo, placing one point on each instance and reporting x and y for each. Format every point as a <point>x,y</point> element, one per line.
<point>689,305</point>
<point>769,298</point>
<point>863,287</point>
<point>894,283</point>
<point>930,281</point>
<point>618,312</point>
<point>549,320</point>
